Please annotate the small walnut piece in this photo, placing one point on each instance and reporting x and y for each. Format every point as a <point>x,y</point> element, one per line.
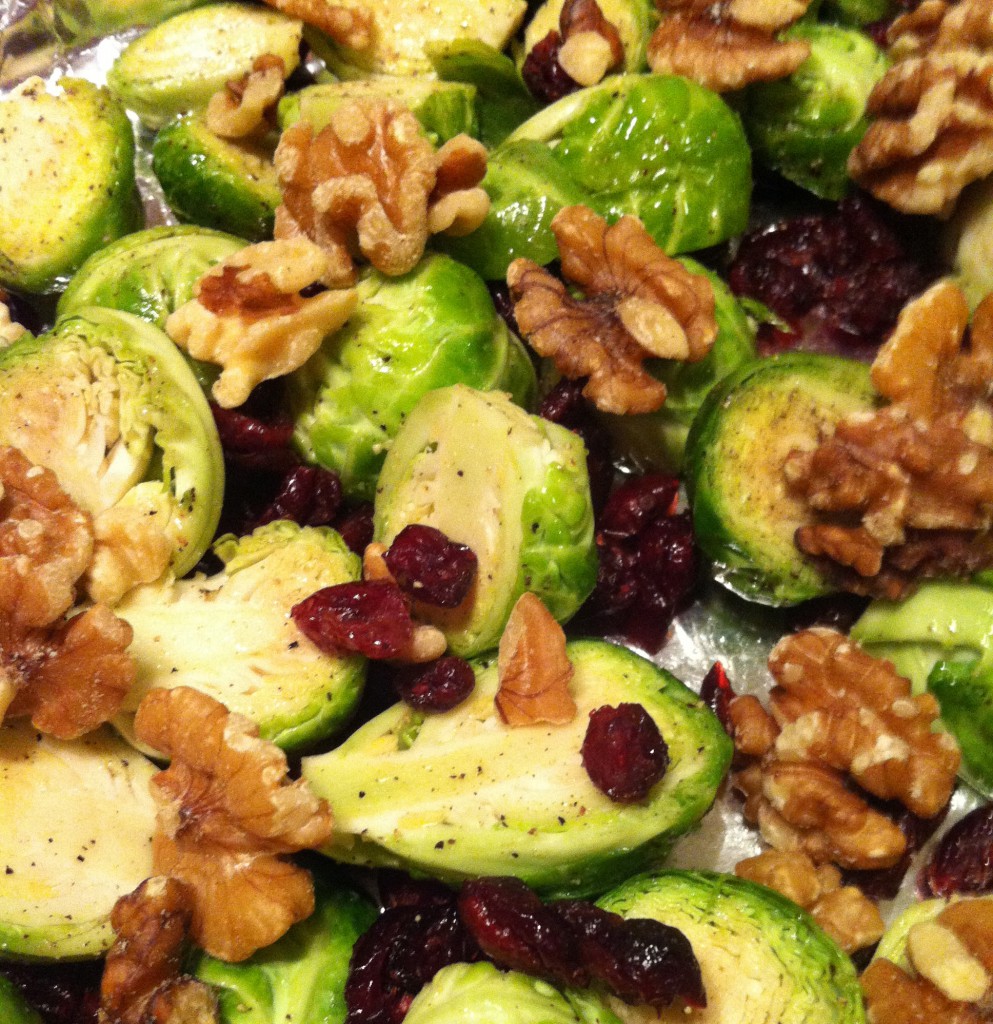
<point>368,185</point>
<point>227,816</point>
<point>350,26</point>
<point>638,304</point>
<point>893,997</point>
<point>533,668</point>
<point>932,132</point>
<point>939,955</point>
<point>591,46</point>
<point>248,315</point>
<point>9,330</point>
<point>142,979</point>
<point>755,730</point>
<point>728,44</point>
<point>246,106</point>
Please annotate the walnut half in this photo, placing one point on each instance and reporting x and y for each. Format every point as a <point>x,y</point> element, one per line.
<point>639,304</point>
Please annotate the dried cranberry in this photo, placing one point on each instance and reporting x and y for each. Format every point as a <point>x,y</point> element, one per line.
<point>61,993</point>
<point>963,861</point>
<point>623,751</point>
<point>642,961</point>
<point>503,304</point>
<point>437,686</point>
<point>402,951</point>
<point>518,932</point>
<point>356,528</point>
<point>250,442</point>
<point>369,618</point>
<point>430,567</point>
<point>637,504</point>
<point>398,889</point>
<point>309,495</point>
<point>717,693</point>
<point>544,76</point>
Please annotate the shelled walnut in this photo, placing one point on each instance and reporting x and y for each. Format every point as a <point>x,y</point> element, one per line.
<point>351,26</point>
<point>906,492</point>
<point>728,44</point>
<point>586,46</point>
<point>247,105</point>
<point>638,304</point>
<point>931,132</point>
<point>839,716</point>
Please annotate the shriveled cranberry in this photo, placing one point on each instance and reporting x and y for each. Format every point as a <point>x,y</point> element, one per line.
<point>963,860</point>
<point>640,960</point>
<point>717,693</point>
<point>398,889</point>
<point>309,495</point>
<point>623,751</point>
<point>355,527</point>
<point>254,443</point>
<point>503,303</point>
<point>637,504</point>
<point>518,932</point>
<point>437,686</point>
<point>60,993</point>
<point>544,76</point>
<point>402,951</point>
<point>369,618</point>
<point>431,568</point>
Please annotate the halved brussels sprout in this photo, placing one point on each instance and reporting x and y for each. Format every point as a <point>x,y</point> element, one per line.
<point>300,978</point>
<point>806,125</point>
<point>107,402</point>
<point>656,441</point>
<point>78,822</point>
<point>433,327</point>
<point>78,21</point>
<point>149,273</point>
<point>68,185</point>
<point>461,794</point>
<point>478,993</point>
<point>13,1006</point>
<point>231,635</point>
<point>513,487</point>
<point>763,959</point>
<point>444,109</point>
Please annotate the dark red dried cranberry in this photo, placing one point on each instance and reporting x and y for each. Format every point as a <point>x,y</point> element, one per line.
<point>623,751</point>
<point>370,618</point>
<point>504,304</point>
<point>356,527</point>
<point>963,860</point>
<point>60,993</point>
<point>518,932</point>
<point>544,76</point>
<point>717,693</point>
<point>253,443</point>
<point>437,686</point>
<point>402,951</point>
<point>638,503</point>
<point>398,889</point>
<point>431,568</point>
<point>309,495</point>
<point>640,960</point>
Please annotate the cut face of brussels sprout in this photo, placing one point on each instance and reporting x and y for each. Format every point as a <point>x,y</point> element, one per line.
<point>467,795</point>
<point>149,273</point>
<point>433,327</point>
<point>474,993</point>
<point>659,147</point>
<point>444,109</point>
<point>67,181</point>
<point>763,959</point>
<point>107,403</point>
<point>231,635</point>
<point>513,487</point>
<point>656,441</point>
<point>743,516</point>
<point>13,1008</point>
<point>805,126</point>
<point>178,65</point>
<point>300,978</point>
<point>78,822</point>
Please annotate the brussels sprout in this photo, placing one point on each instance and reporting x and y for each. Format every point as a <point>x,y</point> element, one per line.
<point>214,182</point>
<point>409,335</point>
<point>444,109</point>
<point>78,822</point>
<point>78,21</point>
<point>300,978</point>
<point>13,1007</point>
<point>656,146</point>
<point>178,65</point>
<point>762,957</point>
<point>655,441</point>
<point>107,403</point>
<point>527,187</point>
<point>806,125</point>
<point>969,242</point>
<point>525,481</point>
<point>859,12</point>
<point>150,273</point>
<point>941,638</point>
<point>481,994</point>
<point>231,635</point>
<point>469,795</point>
<point>502,99</point>
<point>67,168</point>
